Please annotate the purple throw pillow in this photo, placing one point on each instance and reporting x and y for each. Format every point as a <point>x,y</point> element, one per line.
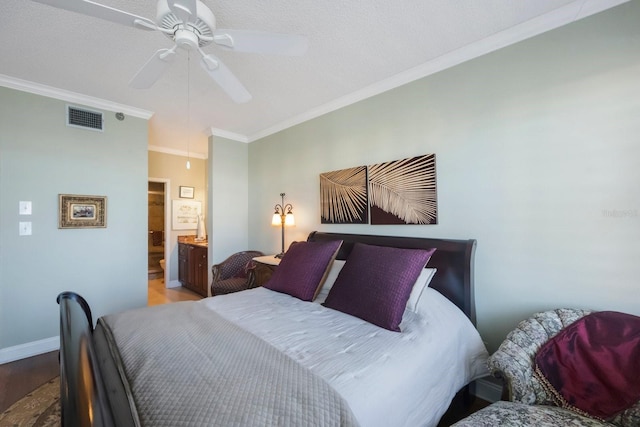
<point>375,283</point>
<point>304,268</point>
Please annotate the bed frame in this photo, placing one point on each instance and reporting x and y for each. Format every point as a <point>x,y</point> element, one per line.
<point>91,397</point>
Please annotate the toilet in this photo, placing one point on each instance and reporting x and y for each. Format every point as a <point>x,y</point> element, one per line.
<point>162,264</point>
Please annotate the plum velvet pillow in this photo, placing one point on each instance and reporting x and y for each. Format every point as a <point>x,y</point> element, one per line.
<point>304,268</point>
<point>375,283</point>
<point>593,365</point>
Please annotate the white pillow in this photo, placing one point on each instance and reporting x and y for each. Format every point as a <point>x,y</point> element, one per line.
<point>330,280</point>
<point>421,283</point>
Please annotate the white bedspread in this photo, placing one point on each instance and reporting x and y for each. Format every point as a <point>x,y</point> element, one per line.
<point>388,378</point>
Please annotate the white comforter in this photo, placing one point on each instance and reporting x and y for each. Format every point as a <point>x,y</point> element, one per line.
<point>388,378</point>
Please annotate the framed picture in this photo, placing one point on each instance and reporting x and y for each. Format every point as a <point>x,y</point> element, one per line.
<point>185,214</point>
<point>186,192</point>
<point>76,211</point>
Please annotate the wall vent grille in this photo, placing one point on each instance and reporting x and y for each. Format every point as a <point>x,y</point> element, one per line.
<point>85,119</point>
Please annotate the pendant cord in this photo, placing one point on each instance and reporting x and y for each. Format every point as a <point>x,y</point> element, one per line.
<point>188,108</point>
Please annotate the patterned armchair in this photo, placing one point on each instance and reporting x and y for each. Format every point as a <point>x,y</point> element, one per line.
<point>234,273</point>
<point>527,402</point>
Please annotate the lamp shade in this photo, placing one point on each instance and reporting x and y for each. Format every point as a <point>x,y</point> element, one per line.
<point>289,220</point>
<point>276,220</point>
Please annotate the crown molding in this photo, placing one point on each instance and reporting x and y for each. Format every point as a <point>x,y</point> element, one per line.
<point>74,97</point>
<point>177,152</point>
<point>228,135</point>
<point>562,16</point>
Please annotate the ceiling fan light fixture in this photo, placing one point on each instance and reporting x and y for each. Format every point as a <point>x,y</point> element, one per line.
<point>186,39</point>
<point>202,26</point>
<point>191,25</point>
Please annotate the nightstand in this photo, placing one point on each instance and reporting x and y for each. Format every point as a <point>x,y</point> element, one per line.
<point>265,266</point>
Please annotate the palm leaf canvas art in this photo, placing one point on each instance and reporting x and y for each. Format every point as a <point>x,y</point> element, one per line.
<point>404,191</point>
<point>343,196</point>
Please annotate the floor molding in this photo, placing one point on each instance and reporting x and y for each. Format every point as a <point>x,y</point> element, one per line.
<point>29,349</point>
<point>174,284</point>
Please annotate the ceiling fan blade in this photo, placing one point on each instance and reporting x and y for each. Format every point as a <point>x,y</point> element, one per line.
<point>153,69</point>
<point>261,42</point>
<point>222,75</point>
<point>185,10</point>
<point>97,10</point>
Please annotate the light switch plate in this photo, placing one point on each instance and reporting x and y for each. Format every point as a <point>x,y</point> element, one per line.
<point>25,228</point>
<point>25,208</point>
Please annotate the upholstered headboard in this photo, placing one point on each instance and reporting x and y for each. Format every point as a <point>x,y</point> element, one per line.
<point>453,259</point>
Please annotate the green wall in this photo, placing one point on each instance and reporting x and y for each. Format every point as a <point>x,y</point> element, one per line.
<point>40,157</point>
<point>228,201</point>
<point>538,158</point>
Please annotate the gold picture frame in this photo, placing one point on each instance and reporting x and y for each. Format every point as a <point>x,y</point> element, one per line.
<point>77,211</point>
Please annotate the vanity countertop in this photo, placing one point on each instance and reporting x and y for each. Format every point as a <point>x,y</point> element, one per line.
<point>191,240</point>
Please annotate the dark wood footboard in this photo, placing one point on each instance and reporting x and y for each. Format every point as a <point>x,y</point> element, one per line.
<point>83,398</point>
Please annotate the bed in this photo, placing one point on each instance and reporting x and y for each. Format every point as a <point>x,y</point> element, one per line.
<point>264,357</point>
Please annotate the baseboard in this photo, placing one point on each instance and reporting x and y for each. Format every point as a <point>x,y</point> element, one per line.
<point>29,349</point>
<point>488,390</point>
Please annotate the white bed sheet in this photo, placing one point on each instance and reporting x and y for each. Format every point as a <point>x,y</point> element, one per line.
<point>388,378</point>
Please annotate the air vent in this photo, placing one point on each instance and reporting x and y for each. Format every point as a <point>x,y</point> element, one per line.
<point>83,118</point>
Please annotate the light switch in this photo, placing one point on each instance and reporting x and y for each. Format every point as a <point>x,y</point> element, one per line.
<point>25,228</point>
<point>25,208</point>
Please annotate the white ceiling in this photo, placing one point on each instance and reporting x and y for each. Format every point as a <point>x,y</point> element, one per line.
<point>357,48</point>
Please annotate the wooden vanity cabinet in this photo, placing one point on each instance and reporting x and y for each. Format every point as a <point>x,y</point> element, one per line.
<point>192,267</point>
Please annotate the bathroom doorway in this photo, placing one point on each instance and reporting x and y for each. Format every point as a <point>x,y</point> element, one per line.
<point>157,223</point>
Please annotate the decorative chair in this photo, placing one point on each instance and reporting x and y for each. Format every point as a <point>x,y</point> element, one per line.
<point>234,273</point>
<point>526,402</point>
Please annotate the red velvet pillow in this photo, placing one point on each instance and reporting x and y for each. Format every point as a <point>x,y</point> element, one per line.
<point>593,365</point>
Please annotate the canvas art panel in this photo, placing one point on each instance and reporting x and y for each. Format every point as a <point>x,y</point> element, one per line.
<point>343,196</point>
<point>403,191</point>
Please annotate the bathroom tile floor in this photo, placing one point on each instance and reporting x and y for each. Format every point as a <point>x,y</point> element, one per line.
<point>158,294</point>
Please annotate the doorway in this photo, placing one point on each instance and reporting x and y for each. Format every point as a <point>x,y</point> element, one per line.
<point>156,228</point>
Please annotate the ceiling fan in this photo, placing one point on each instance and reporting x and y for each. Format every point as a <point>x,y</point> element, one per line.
<point>191,25</point>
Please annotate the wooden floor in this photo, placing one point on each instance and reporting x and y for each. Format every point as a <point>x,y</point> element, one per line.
<point>158,294</point>
<point>23,376</point>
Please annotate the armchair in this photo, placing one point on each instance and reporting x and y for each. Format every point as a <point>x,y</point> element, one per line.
<point>234,273</point>
<point>525,399</point>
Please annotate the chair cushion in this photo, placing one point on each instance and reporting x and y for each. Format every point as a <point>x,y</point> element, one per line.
<point>515,414</point>
<point>593,365</point>
<point>228,286</point>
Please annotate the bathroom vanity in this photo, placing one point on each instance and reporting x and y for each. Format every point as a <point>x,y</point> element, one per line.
<point>193,271</point>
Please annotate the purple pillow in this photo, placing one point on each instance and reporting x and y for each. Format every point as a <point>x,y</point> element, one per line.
<point>375,283</point>
<point>304,268</point>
